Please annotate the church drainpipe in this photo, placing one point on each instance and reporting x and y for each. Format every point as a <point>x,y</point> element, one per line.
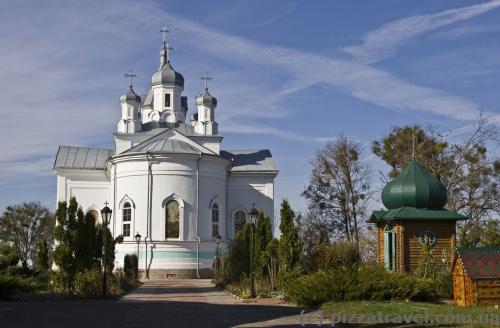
<point>146,271</point>
<point>198,239</point>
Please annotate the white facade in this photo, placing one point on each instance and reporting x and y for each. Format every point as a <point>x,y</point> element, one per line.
<point>167,180</point>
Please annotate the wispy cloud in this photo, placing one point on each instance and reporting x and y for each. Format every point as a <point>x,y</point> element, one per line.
<point>383,42</point>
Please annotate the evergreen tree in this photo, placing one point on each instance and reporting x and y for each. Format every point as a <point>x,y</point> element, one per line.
<point>65,235</point>
<point>43,256</point>
<point>289,244</point>
<point>263,235</point>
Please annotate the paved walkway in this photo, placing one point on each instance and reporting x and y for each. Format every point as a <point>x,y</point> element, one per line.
<point>179,290</point>
<point>161,303</point>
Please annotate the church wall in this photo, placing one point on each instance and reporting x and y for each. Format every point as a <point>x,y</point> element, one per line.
<point>212,189</point>
<point>91,188</point>
<point>245,189</point>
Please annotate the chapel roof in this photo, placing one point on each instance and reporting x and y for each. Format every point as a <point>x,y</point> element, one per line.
<point>415,187</point>
<point>415,195</point>
<point>480,262</point>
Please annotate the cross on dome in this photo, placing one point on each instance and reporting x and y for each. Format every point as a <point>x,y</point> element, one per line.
<point>130,75</point>
<point>164,32</point>
<point>206,78</point>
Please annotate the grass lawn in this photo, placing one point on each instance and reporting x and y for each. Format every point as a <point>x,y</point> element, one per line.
<point>408,314</point>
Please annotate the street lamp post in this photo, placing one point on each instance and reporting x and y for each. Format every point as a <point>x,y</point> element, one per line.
<point>138,241</point>
<point>252,215</point>
<point>106,217</point>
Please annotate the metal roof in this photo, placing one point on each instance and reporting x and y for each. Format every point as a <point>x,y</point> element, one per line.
<point>250,160</point>
<point>480,262</point>
<point>415,214</point>
<point>69,157</point>
<point>165,144</point>
<point>414,187</point>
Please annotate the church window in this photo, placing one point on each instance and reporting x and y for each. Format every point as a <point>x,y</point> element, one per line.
<point>167,100</point>
<point>172,218</point>
<point>215,220</point>
<point>239,221</point>
<point>126,218</point>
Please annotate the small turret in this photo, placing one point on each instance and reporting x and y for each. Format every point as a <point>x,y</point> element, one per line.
<point>206,103</point>
<point>130,102</point>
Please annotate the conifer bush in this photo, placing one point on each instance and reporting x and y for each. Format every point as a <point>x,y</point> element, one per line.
<point>358,283</point>
<point>131,266</point>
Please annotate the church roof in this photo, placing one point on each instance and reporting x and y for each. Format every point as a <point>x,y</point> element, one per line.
<point>414,187</point>
<point>130,96</point>
<point>250,160</point>
<point>70,157</point>
<point>162,144</point>
<point>166,75</point>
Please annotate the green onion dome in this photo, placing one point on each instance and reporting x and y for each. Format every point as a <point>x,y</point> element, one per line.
<point>415,187</point>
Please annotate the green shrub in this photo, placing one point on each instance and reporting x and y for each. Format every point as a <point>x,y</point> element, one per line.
<point>328,257</point>
<point>88,284</point>
<point>8,257</point>
<point>358,283</point>
<point>131,266</point>
<point>9,285</point>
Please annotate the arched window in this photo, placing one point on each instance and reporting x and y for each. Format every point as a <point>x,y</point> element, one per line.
<point>126,218</point>
<point>239,221</point>
<point>215,220</point>
<point>172,220</point>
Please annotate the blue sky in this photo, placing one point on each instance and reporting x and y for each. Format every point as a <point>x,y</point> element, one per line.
<point>288,75</point>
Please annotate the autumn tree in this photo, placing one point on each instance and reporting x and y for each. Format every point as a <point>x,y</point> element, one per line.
<point>25,226</point>
<point>338,189</point>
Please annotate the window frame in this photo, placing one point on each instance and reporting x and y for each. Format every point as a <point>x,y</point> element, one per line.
<point>244,217</point>
<point>215,218</point>
<point>167,100</point>
<point>166,217</point>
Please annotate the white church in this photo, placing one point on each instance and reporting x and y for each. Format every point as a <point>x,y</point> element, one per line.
<point>168,180</point>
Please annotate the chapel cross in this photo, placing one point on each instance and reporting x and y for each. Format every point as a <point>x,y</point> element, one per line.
<point>206,78</point>
<point>130,75</point>
<point>413,143</point>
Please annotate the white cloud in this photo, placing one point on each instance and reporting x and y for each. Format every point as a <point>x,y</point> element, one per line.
<point>383,42</point>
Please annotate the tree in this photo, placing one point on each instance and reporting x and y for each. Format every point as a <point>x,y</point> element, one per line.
<point>42,256</point>
<point>491,234</point>
<point>66,237</point>
<point>80,243</point>
<point>289,244</point>
<point>25,226</point>
<point>469,174</point>
<point>339,189</point>
<point>396,149</point>
<point>272,261</point>
<point>263,236</point>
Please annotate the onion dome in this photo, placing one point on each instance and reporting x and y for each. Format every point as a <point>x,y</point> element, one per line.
<point>415,187</point>
<point>130,96</point>
<point>166,75</point>
<point>205,99</point>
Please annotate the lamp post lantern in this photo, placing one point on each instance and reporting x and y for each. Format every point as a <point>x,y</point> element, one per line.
<point>252,215</point>
<point>106,218</point>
